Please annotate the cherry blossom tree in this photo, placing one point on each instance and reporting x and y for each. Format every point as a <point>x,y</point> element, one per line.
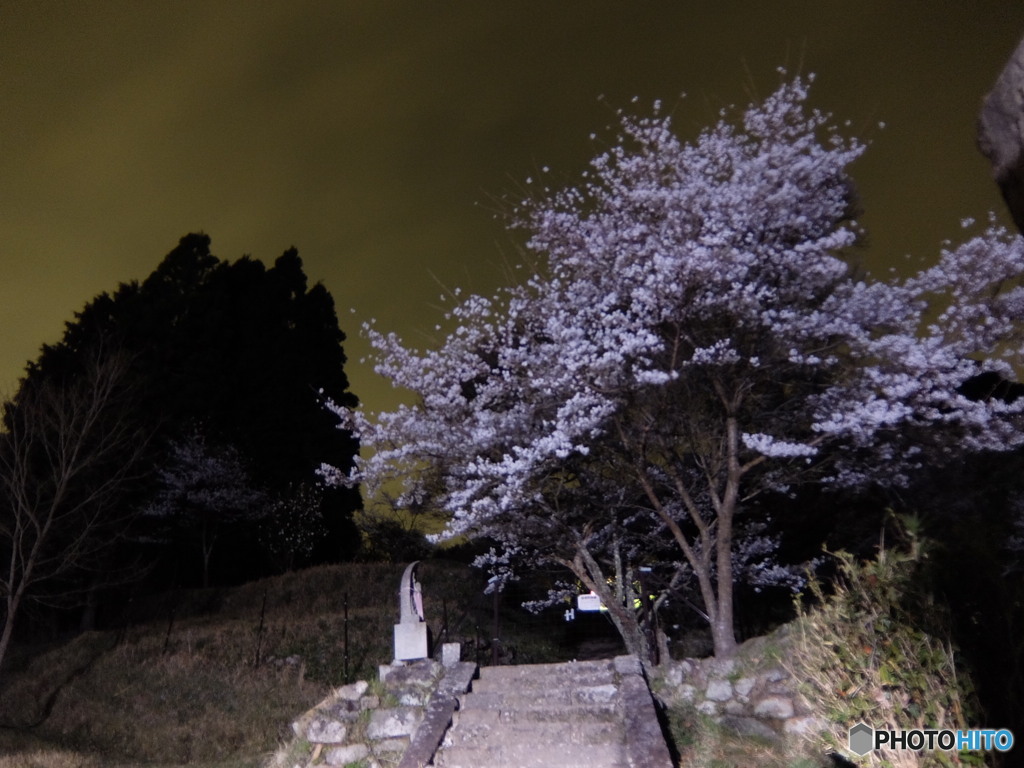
<point>294,525</point>
<point>203,489</point>
<point>694,335</point>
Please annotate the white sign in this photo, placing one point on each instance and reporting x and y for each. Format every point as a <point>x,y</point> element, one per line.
<point>588,602</point>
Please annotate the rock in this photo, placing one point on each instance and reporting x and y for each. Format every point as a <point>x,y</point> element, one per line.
<point>389,723</point>
<point>674,675</point>
<point>343,711</point>
<point>392,745</point>
<point>418,673</point>
<point>350,753</point>
<point>720,667</point>
<point>743,687</point>
<point>451,654</point>
<point>686,693</point>
<point>719,690</point>
<point>776,707</point>
<point>734,708</point>
<point>413,698</point>
<point>707,708</point>
<point>352,691</point>
<point>1001,133</point>
<point>325,730</point>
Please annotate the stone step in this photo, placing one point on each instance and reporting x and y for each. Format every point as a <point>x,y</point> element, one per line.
<point>497,717</point>
<point>583,697</point>
<point>468,733</point>
<point>526,755</point>
<point>516,707</point>
<point>576,670</point>
<point>544,685</point>
<point>553,716</point>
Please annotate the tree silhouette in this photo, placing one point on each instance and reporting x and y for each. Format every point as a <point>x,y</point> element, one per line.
<point>248,352</point>
<point>66,454</point>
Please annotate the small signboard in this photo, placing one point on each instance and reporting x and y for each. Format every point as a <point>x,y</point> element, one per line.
<point>588,602</point>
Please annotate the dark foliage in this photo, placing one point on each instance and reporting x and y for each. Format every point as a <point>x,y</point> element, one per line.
<point>245,352</point>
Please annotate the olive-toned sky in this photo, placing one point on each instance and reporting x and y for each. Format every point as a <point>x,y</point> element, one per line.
<point>374,135</point>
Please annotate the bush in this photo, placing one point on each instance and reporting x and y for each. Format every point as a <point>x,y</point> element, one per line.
<point>877,651</point>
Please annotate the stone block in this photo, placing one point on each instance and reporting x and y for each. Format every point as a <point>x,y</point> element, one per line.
<point>325,730</point>
<point>686,693</point>
<point>744,686</point>
<point>674,675</point>
<point>776,707</point>
<point>344,710</point>
<point>707,708</point>
<point>391,723</point>
<point>734,708</point>
<point>410,641</point>
<point>451,654</point>
<point>413,698</point>
<point>720,667</point>
<point>416,674</point>
<point>350,753</point>
<point>719,690</point>
<point>395,745</point>
<point>352,691</point>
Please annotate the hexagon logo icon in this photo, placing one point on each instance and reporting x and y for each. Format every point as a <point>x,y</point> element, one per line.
<point>861,739</point>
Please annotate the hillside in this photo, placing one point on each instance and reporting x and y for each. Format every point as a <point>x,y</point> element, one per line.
<point>213,677</point>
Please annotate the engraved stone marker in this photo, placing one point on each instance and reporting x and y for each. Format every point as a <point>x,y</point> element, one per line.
<point>411,631</point>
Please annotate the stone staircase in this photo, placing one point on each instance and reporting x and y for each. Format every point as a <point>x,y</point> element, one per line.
<point>589,714</point>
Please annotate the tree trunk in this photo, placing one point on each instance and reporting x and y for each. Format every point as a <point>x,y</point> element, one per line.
<point>722,631</point>
<point>207,541</point>
<point>13,601</point>
<point>624,617</point>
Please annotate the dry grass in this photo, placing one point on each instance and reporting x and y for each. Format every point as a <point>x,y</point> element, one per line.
<point>877,653</point>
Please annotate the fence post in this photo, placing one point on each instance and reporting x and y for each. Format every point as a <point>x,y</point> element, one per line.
<point>259,631</point>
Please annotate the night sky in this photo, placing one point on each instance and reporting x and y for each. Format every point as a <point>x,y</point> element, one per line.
<point>376,136</point>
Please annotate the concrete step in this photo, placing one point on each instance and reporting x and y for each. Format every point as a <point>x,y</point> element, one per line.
<point>499,718</point>
<point>538,714</point>
<point>526,755</point>
<point>576,670</point>
<point>535,732</point>
<point>550,716</point>
<point>544,685</point>
<point>591,698</point>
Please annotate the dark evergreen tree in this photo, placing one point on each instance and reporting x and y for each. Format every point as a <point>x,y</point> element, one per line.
<point>247,353</point>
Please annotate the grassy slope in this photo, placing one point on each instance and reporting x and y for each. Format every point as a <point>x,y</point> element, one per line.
<point>195,695</point>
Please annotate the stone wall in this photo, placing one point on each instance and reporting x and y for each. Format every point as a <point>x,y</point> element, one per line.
<point>751,694</point>
<point>393,724</point>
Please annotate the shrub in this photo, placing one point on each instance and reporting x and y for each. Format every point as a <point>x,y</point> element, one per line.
<point>877,651</point>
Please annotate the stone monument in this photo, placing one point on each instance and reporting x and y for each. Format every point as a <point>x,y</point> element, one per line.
<point>411,630</point>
